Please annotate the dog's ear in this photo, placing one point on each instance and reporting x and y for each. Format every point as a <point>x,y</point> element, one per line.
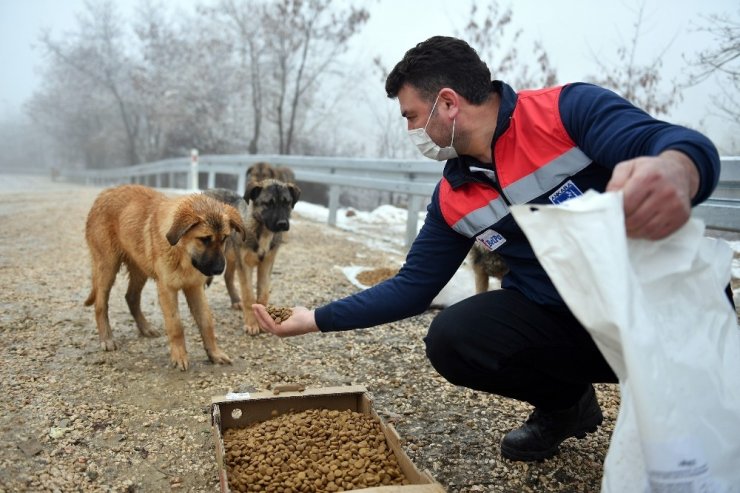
<point>253,191</point>
<point>182,223</point>
<point>235,221</point>
<point>295,193</point>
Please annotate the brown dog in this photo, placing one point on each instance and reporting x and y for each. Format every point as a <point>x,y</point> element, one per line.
<point>486,264</point>
<point>263,171</point>
<point>177,242</point>
<point>265,210</point>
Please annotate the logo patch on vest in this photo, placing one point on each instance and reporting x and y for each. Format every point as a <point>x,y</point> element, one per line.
<point>490,239</point>
<point>568,191</point>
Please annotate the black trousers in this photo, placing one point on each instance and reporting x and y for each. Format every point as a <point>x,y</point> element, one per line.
<point>502,343</point>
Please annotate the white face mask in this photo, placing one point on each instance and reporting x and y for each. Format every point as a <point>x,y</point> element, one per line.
<point>426,145</point>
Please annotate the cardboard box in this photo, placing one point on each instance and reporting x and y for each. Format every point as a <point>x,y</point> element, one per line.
<point>240,410</point>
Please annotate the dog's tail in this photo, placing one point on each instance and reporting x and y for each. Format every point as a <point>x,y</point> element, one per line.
<point>91,298</point>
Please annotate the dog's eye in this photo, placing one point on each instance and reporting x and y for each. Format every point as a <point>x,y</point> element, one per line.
<point>206,240</point>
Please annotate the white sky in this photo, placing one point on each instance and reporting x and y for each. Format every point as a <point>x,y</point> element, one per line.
<point>571,30</point>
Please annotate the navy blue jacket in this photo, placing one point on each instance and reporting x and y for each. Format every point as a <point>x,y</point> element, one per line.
<point>606,127</point>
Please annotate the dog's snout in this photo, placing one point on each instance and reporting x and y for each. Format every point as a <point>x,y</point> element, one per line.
<point>211,267</point>
<point>283,225</point>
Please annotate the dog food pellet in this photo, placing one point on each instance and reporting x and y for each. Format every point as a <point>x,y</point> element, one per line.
<point>318,450</point>
<point>279,313</point>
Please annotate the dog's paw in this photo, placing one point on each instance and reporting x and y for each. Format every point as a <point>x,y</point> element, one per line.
<point>237,305</point>
<point>252,329</point>
<point>179,359</point>
<point>218,357</point>
<point>148,331</point>
<point>108,345</point>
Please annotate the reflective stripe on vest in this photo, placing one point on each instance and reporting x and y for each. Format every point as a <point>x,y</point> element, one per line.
<point>473,208</point>
<point>533,156</point>
<point>547,177</point>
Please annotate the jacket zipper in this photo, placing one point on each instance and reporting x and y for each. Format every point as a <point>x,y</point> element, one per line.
<point>496,182</point>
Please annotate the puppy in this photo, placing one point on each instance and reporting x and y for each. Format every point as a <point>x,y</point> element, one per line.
<point>486,264</point>
<point>265,210</point>
<point>178,242</point>
<point>263,171</point>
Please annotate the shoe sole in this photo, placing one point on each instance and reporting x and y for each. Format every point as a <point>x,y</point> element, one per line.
<point>540,455</point>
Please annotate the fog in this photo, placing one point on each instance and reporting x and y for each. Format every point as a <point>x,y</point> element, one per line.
<point>575,33</point>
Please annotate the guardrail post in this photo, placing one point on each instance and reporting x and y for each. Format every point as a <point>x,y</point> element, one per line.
<point>412,218</point>
<point>194,169</point>
<point>333,204</point>
<point>241,184</point>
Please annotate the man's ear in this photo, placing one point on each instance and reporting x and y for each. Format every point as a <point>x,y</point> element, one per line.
<point>449,103</point>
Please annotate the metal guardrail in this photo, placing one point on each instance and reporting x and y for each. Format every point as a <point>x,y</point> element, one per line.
<point>722,210</point>
<point>417,178</point>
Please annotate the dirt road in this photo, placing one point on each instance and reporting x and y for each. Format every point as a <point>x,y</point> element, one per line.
<point>76,418</point>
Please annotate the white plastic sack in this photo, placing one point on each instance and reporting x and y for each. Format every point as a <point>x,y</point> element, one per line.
<point>658,313</point>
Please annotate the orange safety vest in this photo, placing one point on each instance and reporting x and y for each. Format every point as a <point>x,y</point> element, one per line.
<point>531,158</point>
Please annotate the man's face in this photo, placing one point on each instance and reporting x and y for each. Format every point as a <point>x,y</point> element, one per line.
<point>413,108</point>
<point>416,111</point>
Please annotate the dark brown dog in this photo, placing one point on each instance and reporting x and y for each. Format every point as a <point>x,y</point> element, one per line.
<point>177,242</point>
<point>263,171</point>
<point>486,264</point>
<point>265,210</point>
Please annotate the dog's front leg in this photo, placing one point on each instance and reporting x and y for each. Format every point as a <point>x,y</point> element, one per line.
<point>481,279</point>
<point>173,326</point>
<point>233,263</point>
<point>244,270</point>
<point>264,275</point>
<point>196,297</point>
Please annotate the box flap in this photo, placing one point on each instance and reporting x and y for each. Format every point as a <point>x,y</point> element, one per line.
<point>240,410</point>
<point>319,391</point>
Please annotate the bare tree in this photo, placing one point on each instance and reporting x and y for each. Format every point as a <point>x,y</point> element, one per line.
<point>188,81</point>
<point>724,56</point>
<point>304,38</point>
<point>240,24</point>
<point>486,31</point>
<point>639,83</point>
<point>392,139</point>
<point>80,117</point>
<point>284,50</point>
<point>96,53</point>
<point>154,79</point>
<point>238,75</point>
<point>723,60</point>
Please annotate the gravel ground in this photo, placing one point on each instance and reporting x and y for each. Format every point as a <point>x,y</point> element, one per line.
<point>76,418</point>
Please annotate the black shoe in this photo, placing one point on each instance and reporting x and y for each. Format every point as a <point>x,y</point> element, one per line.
<point>543,432</point>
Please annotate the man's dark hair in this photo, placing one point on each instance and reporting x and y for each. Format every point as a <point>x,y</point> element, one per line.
<point>438,62</point>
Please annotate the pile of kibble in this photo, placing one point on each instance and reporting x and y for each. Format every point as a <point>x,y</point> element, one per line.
<point>374,276</point>
<point>279,313</point>
<point>317,450</point>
